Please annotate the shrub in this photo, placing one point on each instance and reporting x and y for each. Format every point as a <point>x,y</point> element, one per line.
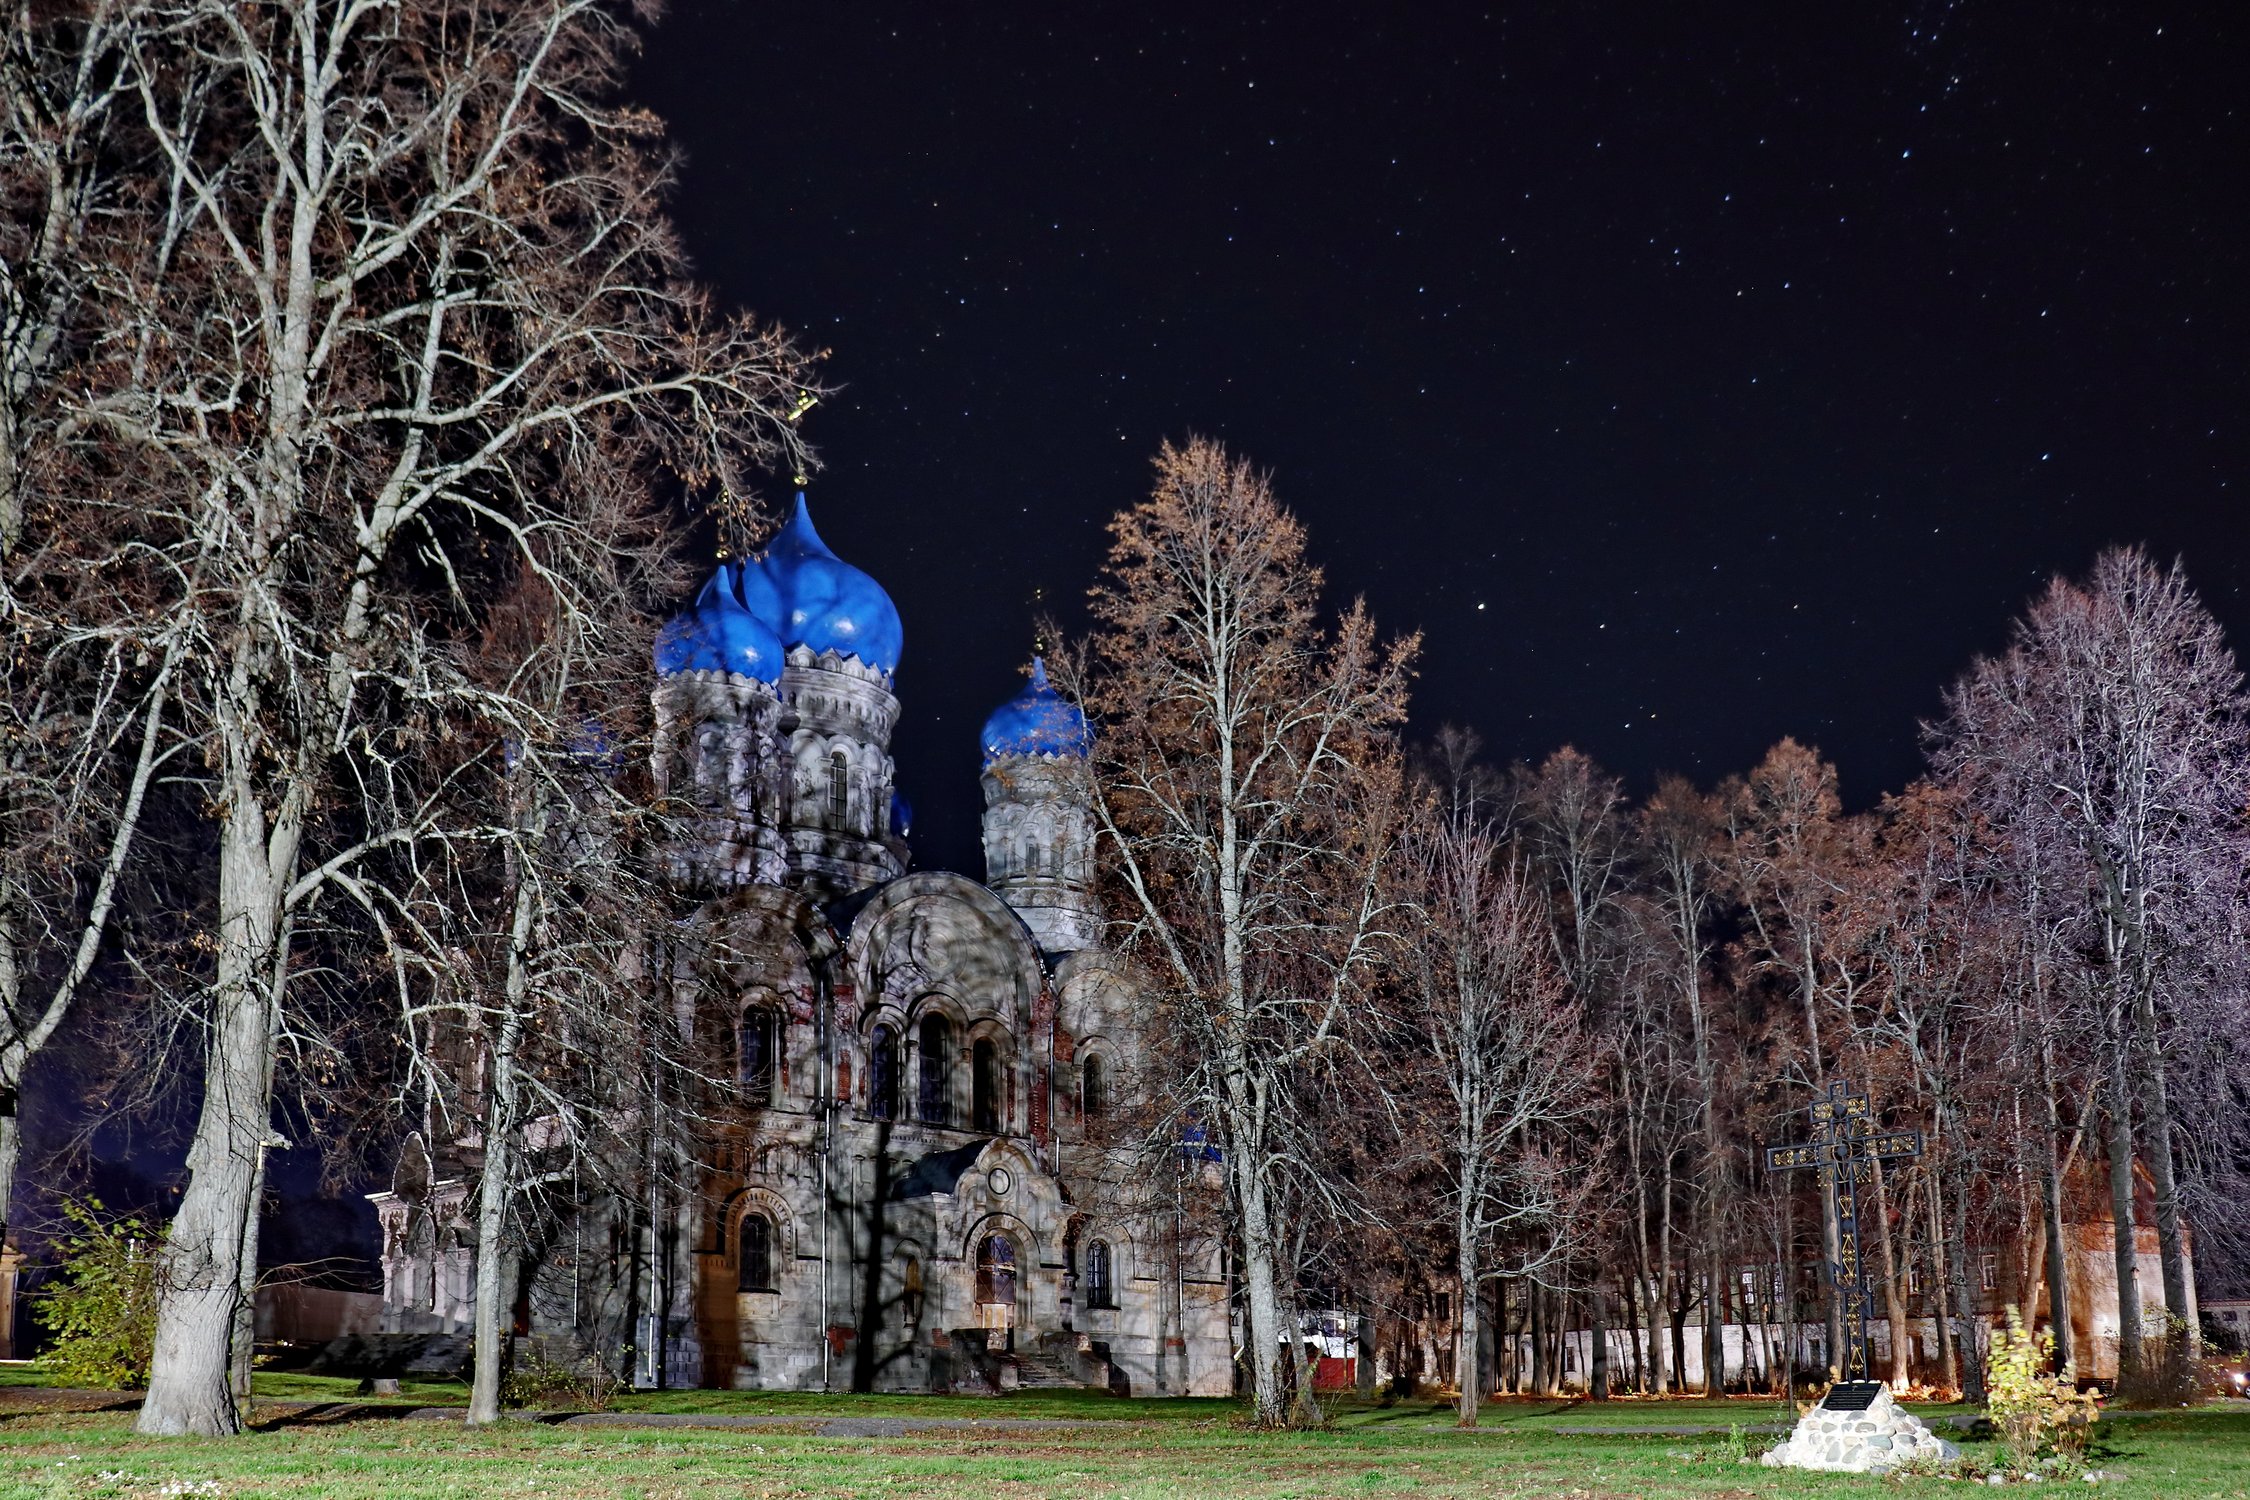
<point>2169,1374</point>
<point>101,1308</point>
<point>539,1381</point>
<point>2030,1408</point>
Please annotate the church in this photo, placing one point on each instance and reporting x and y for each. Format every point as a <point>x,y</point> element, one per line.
<point>917,1193</point>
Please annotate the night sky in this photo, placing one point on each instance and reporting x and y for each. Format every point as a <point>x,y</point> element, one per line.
<point>1690,375</point>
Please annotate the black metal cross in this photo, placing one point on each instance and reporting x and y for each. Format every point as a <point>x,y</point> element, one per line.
<point>1845,1147</point>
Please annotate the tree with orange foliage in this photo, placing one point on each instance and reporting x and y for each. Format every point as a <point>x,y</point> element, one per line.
<point>1245,783</point>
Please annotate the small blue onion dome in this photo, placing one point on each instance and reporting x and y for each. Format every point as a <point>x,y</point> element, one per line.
<point>902,815</point>
<point>718,635</point>
<point>1036,721</point>
<point>819,601</point>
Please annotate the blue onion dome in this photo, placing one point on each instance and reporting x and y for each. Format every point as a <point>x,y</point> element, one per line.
<point>718,635</point>
<point>820,601</point>
<point>902,815</point>
<point>1036,721</point>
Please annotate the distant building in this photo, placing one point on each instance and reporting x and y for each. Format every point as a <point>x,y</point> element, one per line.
<point>920,1040</point>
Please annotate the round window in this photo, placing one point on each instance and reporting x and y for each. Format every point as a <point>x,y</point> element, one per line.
<point>999,1182</point>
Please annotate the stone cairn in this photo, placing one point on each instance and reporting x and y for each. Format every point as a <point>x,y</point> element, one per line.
<point>1858,1429</point>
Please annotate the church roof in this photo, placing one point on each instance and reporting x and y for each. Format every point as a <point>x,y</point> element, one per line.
<point>1036,721</point>
<point>810,597</point>
<point>716,634</point>
<point>939,1172</point>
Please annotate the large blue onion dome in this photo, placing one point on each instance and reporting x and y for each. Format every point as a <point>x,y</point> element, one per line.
<point>1036,721</point>
<point>718,635</point>
<point>819,601</point>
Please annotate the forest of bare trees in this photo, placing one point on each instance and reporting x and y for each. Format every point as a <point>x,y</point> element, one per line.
<point>1565,1019</point>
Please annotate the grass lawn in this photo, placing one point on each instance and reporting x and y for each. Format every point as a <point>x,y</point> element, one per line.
<point>1179,1448</point>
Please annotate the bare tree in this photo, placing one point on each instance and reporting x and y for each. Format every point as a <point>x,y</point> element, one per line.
<point>1680,832</point>
<point>86,669</point>
<point>524,932</point>
<point>2110,737</point>
<point>1245,789</point>
<point>1498,1033</point>
<point>1786,850</point>
<point>1656,1119</point>
<point>390,283</point>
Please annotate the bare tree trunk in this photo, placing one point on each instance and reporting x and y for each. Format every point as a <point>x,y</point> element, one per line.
<point>2121,1211</point>
<point>11,1147</point>
<point>2156,1120</point>
<point>1598,1361</point>
<point>1542,1378</point>
<point>1949,1365</point>
<point>1964,1296</point>
<point>1264,1298</point>
<point>493,1190</point>
<point>495,1187</point>
<point>1894,1291</point>
<point>212,1245</point>
<point>1662,1306</point>
<point>2058,1260</point>
<point>1678,1319</point>
<point>1715,1314</point>
<point>1467,1365</point>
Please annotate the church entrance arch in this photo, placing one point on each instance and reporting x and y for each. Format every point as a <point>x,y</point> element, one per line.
<point>997,1289</point>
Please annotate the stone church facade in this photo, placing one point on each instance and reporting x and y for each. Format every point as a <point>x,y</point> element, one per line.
<point>916,1194</point>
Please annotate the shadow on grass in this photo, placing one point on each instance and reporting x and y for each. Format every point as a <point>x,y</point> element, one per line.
<point>328,1414</point>
<point>73,1406</point>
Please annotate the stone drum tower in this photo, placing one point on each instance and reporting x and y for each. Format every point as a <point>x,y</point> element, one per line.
<point>1038,831</point>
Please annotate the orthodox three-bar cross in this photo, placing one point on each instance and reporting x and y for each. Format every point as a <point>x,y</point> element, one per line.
<point>1845,1147</point>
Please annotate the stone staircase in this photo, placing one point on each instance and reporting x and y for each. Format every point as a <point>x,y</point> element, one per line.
<point>1043,1371</point>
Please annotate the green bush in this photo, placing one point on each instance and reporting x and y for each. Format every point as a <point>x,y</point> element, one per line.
<point>542,1382</point>
<point>101,1309</point>
<point>2030,1408</point>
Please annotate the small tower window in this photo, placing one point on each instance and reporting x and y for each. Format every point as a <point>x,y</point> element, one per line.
<point>839,784</point>
<point>937,1073</point>
<point>984,1087</point>
<point>711,762</point>
<point>1093,1089</point>
<point>882,1074</point>
<point>1101,1288</point>
<point>756,1273</point>
<point>759,1049</point>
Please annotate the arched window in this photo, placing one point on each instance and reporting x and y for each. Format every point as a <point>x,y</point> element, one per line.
<point>839,784</point>
<point>1100,1284</point>
<point>937,1071</point>
<point>1093,1088</point>
<point>757,1053</point>
<point>711,761</point>
<point>984,1087</point>
<point>882,1074</point>
<point>1031,860</point>
<point>912,1299</point>
<point>757,1254</point>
